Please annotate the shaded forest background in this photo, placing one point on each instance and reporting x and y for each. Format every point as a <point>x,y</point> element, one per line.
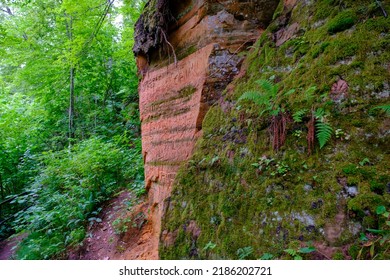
<point>69,120</point>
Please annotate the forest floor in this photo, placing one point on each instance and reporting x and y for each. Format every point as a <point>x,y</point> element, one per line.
<point>122,232</point>
<point>7,247</point>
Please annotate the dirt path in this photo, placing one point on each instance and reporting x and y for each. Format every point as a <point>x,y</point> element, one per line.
<point>7,247</point>
<point>122,233</point>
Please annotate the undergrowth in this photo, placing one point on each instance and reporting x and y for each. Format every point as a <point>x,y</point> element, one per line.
<point>68,192</point>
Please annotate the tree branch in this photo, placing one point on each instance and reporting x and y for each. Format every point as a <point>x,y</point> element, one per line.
<point>6,10</point>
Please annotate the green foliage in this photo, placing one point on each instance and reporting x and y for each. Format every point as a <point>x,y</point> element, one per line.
<point>377,243</point>
<point>256,208</point>
<point>296,254</point>
<point>244,253</point>
<point>324,133</point>
<point>121,225</point>
<point>267,256</point>
<point>297,116</point>
<point>209,246</point>
<point>41,41</point>
<point>323,130</point>
<point>268,98</point>
<point>384,108</point>
<point>68,189</point>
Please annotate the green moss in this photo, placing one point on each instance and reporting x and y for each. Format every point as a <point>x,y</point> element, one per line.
<point>342,21</point>
<point>236,203</point>
<point>365,202</point>
<point>338,256</point>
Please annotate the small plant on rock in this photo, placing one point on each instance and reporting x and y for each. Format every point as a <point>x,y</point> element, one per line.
<point>268,99</point>
<point>296,254</point>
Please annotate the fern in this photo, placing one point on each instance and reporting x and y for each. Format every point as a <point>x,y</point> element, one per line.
<point>268,87</point>
<point>385,108</point>
<point>319,113</point>
<point>324,132</point>
<point>309,93</point>
<point>297,116</point>
<point>255,97</point>
<point>245,252</point>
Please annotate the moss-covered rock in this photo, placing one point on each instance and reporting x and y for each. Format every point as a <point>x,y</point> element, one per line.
<point>241,193</point>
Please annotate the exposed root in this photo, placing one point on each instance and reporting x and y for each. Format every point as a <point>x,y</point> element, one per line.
<point>169,44</point>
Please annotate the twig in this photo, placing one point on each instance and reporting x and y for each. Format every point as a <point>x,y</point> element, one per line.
<point>380,6</point>
<point>326,257</point>
<point>7,10</point>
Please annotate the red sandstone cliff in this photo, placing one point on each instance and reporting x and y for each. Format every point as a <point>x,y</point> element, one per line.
<point>187,53</point>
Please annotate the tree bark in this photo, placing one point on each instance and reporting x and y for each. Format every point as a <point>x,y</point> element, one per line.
<point>71,103</point>
<point>72,73</point>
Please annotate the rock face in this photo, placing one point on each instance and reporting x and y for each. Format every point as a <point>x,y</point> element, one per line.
<point>239,192</point>
<point>187,53</point>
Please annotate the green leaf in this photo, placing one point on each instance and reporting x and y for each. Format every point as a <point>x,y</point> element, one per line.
<point>385,108</point>
<point>309,93</point>
<point>372,250</point>
<point>291,91</point>
<point>363,237</point>
<point>324,133</point>
<point>291,252</point>
<point>297,116</point>
<point>267,256</point>
<point>378,231</point>
<point>298,258</point>
<point>269,88</point>
<point>209,246</point>
<point>306,250</point>
<point>319,113</point>
<point>381,210</point>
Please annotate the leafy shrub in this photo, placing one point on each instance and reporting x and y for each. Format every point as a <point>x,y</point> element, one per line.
<point>71,184</point>
<point>121,225</point>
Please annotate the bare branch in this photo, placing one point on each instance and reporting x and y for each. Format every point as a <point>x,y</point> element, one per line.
<point>6,10</point>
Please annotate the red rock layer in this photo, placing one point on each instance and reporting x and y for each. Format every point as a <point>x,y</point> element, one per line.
<point>177,89</point>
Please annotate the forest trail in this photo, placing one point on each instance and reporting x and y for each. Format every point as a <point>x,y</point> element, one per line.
<point>120,232</point>
<point>123,233</point>
<point>7,247</point>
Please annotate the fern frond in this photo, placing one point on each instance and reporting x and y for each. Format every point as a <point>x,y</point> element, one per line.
<point>255,97</point>
<point>385,108</point>
<point>291,252</point>
<point>319,113</point>
<point>269,88</point>
<point>297,116</point>
<point>291,91</point>
<point>250,95</point>
<point>324,133</point>
<point>309,93</point>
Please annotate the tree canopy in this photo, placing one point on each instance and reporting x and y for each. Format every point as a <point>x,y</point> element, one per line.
<point>68,86</point>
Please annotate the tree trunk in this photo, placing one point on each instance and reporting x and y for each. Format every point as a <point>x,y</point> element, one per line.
<point>71,104</point>
<point>72,72</point>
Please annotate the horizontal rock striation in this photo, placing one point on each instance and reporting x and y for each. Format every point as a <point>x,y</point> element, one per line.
<point>186,58</point>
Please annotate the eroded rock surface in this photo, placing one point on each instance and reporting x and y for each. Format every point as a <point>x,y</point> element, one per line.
<point>187,56</point>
